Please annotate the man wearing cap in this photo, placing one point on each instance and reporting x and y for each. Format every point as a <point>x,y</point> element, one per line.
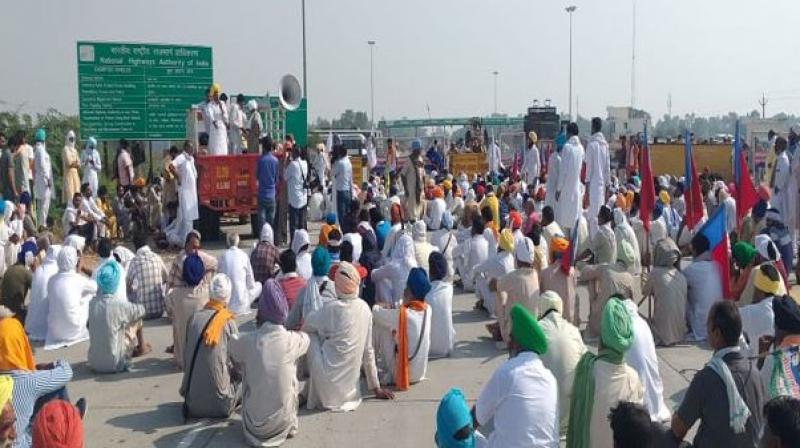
<point>565,350</point>
<point>268,358</point>
<point>43,182</point>
<point>403,335</point>
<point>607,280</point>
<point>341,345</point>
<point>522,394</point>
<point>530,167</point>
<point>115,325</point>
<point>725,395</point>
<point>520,286</point>
<point>598,173</point>
<point>211,387</point>
<point>603,380</point>
<point>412,176</point>
<point>758,318</point>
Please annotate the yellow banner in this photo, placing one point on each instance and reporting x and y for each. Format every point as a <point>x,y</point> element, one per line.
<point>469,163</point>
<point>358,175</point>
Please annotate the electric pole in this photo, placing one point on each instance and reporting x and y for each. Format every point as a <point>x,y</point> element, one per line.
<point>763,102</point>
<point>669,104</point>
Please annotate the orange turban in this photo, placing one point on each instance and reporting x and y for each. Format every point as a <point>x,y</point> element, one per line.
<point>515,219</point>
<point>438,192</point>
<point>15,349</point>
<point>396,213</point>
<point>57,425</point>
<point>559,245</point>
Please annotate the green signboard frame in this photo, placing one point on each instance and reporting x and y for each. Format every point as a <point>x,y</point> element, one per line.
<point>140,91</point>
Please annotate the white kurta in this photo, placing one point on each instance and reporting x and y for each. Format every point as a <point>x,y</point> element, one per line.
<point>530,167</point>
<point>433,213</point>
<point>188,210</point>
<point>341,344</point>
<point>553,168</point>
<point>445,242</point>
<point>235,263</point>
<point>216,115</point>
<point>68,296</point>
<point>493,268</point>
<point>443,335</point>
<point>475,251</point>
<point>704,289</point>
<point>386,330</point>
<point>90,164</point>
<point>597,176</point>
<point>564,350</point>
<point>38,308</point>
<point>619,382</point>
<point>757,320</point>
<point>641,356</point>
<point>495,156</point>
<point>569,205</point>
<point>522,398</point>
<point>269,357</point>
<point>781,198</point>
<point>42,182</point>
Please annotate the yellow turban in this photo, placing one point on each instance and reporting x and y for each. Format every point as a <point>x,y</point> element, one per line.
<point>763,283</point>
<point>506,241</point>
<point>447,185</point>
<point>6,387</point>
<point>15,349</point>
<point>664,196</point>
<point>215,89</point>
<point>533,137</point>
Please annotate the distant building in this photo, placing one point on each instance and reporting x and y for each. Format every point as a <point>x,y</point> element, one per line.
<point>625,121</point>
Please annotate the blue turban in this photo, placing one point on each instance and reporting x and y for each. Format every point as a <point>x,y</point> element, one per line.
<point>658,210</point>
<point>452,415</point>
<point>2,207</point>
<point>193,269</point>
<point>25,198</point>
<point>437,265</point>
<point>108,277</point>
<point>91,142</point>
<point>40,135</point>
<point>760,209</point>
<point>447,220</point>
<point>27,246</point>
<point>320,261</point>
<point>330,219</point>
<point>418,283</point>
<point>561,140</point>
<point>416,145</point>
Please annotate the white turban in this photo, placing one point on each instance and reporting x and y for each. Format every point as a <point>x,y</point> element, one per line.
<point>67,259</point>
<point>252,105</point>
<point>123,255</point>
<point>266,234</point>
<point>550,300</point>
<point>76,242</point>
<point>766,248</point>
<point>524,250</point>
<point>419,231</point>
<point>220,288</point>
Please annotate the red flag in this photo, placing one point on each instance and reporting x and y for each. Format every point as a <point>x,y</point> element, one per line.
<point>746,195</point>
<point>647,198</point>
<point>692,194</point>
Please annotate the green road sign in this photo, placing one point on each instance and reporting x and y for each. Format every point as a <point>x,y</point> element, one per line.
<point>140,91</point>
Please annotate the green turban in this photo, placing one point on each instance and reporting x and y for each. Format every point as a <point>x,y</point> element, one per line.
<point>616,332</point>
<point>743,253</point>
<point>616,326</point>
<point>526,331</point>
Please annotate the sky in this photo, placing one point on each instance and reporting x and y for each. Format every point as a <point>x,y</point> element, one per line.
<point>712,56</point>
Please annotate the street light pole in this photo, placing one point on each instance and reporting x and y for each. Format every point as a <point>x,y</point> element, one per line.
<point>495,73</point>
<point>371,44</point>
<point>570,10</point>
<point>303,10</point>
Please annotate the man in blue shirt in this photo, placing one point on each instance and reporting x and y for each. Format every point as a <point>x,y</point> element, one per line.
<point>268,178</point>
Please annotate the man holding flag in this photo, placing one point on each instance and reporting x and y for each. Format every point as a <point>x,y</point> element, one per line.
<point>707,276</point>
